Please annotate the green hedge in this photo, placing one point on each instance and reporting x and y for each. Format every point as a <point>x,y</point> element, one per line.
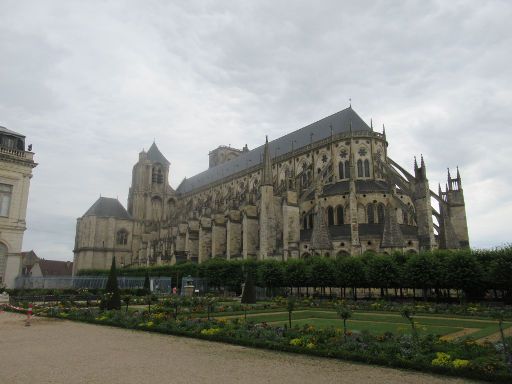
<point>473,273</point>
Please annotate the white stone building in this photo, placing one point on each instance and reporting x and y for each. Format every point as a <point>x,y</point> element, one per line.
<point>16,165</point>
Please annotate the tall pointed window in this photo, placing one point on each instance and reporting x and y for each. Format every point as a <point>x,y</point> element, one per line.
<point>339,215</point>
<point>366,168</point>
<point>330,216</point>
<point>360,168</point>
<point>405,218</point>
<point>347,169</point>
<point>380,213</point>
<point>340,170</point>
<point>369,211</point>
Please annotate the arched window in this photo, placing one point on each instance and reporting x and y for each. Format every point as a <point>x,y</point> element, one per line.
<point>339,215</point>
<point>157,176</point>
<point>340,170</point>
<point>122,237</point>
<point>347,169</point>
<point>310,221</point>
<point>366,168</point>
<point>369,211</point>
<point>360,168</point>
<point>380,213</point>
<point>406,219</point>
<point>305,222</point>
<point>330,216</point>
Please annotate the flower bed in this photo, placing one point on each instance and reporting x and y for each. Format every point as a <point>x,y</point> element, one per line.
<point>425,353</point>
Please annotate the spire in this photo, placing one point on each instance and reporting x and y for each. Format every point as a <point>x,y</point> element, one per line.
<point>266,178</point>
<point>449,176</point>
<point>422,162</point>
<point>383,130</point>
<point>439,190</point>
<point>371,123</point>
<point>415,164</point>
<point>458,173</point>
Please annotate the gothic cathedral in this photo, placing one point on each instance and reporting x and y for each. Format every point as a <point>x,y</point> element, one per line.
<point>327,189</point>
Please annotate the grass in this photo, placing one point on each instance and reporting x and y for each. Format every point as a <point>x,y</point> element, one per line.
<point>381,322</point>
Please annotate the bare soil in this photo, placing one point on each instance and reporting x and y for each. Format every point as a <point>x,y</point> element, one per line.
<point>58,351</point>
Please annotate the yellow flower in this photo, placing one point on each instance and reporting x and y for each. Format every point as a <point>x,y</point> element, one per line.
<point>442,359</point>
<point>310,345</point>
<point>295,342</point>
<point>460,363</point>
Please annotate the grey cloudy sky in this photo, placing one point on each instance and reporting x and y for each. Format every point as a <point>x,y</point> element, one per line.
<point>91,83</point>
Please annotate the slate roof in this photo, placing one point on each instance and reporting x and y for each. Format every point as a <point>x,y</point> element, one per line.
<point>108,207</point>
<point>56,268</point>
<point>340,122</point>
<point>156,156</point>
<point>9,132</point>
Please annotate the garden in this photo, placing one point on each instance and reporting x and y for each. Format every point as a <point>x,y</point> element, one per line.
<point>444,312</point>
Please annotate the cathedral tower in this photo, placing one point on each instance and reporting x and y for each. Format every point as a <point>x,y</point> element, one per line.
<point>457,209</point>
<point>423,208</point>
<point>150,197</point>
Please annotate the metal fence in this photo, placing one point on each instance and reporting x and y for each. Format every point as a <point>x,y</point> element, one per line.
<point>157,284</point>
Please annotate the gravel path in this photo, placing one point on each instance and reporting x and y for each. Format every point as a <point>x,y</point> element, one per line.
<point>57,351</point>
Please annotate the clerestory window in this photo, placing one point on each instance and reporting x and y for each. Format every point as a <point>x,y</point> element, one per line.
<point>5,199</point>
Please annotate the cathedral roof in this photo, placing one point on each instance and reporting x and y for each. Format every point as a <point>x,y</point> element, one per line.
<point>342,121</point>
<point>156,156</point>
<point>108,207</point>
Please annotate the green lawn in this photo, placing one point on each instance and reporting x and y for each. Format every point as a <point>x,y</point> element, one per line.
<point>380,322</point>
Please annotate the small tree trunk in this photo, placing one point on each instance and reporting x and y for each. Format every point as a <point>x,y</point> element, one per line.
<point>290,318</point>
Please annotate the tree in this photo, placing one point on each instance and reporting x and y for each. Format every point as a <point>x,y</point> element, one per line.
<point>147,285</point>
<point>344,313</point>
<point>464,273</point>
<point>422,271</point>
<point>350,273</point>
<point>295,273</point>
<point>290,306</point>
<point>408,314</point>
<point>381,272</point>
<point>112,297</point>
<point>271,274</point>
<point>249,291</point>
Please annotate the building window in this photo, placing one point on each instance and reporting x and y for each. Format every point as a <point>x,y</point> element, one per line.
<point>360,168</point>
<point>347,169</point>
<point>5,199</point>
<point>310,221</point>
<point>371,218</point>
<point>122,237</point>
<point>404,215</point>
<point>340,169</point>
<point>366,168</point>
<point>305,222</point>
<point>157,176</point>
<point>380,213</point>
<point>339,215</point>
<point>330,216</point>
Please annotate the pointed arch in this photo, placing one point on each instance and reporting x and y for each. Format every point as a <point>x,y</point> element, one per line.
<point>367,168</point>
<point>330,216</point>
<point>347,169</point>
<point>380,213</point>
<point>339,215</point>
<point>360,168</point>
<point>370,213</point>
<point>341,170</point>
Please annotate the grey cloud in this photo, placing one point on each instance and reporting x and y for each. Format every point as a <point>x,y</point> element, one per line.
<point>92,83</point>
